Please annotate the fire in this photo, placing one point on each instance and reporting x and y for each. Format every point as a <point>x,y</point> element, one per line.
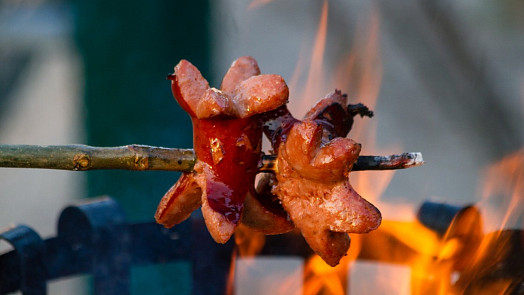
<point>257,3</point>
<point>460,255</point>
<point>503,192</point>
<point>479,250</point>
<point>248,241</point>
<point>358,74</point>
<point>314,86</point>
<point>447,262</point>
<point>501,250</point>
<point>320,278</point>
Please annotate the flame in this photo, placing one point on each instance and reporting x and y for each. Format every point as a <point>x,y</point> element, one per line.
<point>469,258</point>
<point>249,242</point>
<point>314,87</point>
<point>361,69</point>
<point>457,261</point>
<point>359,74</point>
<point>257,3</point>
<point>320,278</point>
<point>503,192</point>
<point>501,198</point>
<point>231,275</point>
<point>315,77</point>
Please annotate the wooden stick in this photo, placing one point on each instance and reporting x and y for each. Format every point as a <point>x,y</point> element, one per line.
<point>363,163</point>
<point>142,157</point>
<point>83,157</point>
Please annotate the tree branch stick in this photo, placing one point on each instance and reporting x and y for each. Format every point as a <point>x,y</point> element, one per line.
<point>83,157</point>
<point>363,163</point>
<point>143,157</point>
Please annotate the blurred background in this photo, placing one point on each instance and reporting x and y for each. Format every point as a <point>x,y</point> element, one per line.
<point>445,78</point>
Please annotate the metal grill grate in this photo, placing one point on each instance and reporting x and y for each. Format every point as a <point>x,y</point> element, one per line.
<point>95,238</point>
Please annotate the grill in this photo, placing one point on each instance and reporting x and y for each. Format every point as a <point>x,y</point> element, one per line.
<point>95,238</point>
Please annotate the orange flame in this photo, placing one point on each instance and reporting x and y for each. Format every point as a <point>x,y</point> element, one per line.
<point>450,263</point>
<point>503,192</point>
<point>359,74</point>
<point>258,3</point>
<point>466,259</point>
<point>249,242</point>
<point>314,87</point>
<point>501,198</point>
<point>315,77</point>
<point>320,278</point>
